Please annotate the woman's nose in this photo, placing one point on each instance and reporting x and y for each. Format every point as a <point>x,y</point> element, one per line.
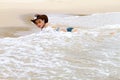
<point>39,24</point>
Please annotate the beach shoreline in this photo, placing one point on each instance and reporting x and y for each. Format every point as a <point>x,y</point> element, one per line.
<point>18,13</point>
<point>18,23</point>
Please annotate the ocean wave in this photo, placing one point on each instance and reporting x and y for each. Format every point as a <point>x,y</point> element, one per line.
<point>51,55</point>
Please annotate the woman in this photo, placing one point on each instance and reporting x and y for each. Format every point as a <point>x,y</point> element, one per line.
<point>41,21</point>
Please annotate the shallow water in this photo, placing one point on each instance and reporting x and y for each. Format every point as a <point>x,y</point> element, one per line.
<point>89,54</point>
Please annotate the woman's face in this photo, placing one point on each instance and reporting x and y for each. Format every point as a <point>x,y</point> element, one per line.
<point>40,23</point>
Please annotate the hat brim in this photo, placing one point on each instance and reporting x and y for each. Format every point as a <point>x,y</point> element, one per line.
<point>33,20</point>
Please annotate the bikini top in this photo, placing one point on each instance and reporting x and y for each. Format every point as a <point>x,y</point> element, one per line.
<point>69,29</point>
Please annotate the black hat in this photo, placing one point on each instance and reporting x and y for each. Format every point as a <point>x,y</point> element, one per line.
<point>38,16</point>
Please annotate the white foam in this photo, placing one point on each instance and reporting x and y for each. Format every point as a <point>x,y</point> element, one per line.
<point>90,21</point>
<point>51,55</point>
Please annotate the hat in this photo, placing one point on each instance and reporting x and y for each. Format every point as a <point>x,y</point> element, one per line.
<point>35,18</point>
<point>38,16</point>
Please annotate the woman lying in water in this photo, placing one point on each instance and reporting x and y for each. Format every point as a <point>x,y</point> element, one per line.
<point>41,21</point>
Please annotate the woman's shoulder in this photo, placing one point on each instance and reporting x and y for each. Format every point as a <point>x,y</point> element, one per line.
<point>55,27</point>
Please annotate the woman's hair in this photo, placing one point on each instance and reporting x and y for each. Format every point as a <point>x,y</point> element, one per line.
<point>38,16</point>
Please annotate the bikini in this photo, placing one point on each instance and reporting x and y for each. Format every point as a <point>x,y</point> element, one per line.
<point>69,29</point>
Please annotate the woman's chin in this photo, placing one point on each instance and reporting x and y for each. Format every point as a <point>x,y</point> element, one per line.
<point>39,27</point>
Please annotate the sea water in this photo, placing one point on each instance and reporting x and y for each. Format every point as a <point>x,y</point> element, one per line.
<point>92,53</point>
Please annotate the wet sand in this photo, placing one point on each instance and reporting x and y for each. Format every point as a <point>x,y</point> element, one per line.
<point>13,31</point>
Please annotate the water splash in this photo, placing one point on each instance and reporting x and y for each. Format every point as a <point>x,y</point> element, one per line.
<point>49,55</point>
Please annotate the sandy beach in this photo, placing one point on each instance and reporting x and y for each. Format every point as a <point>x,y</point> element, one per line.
<point>18,13</point>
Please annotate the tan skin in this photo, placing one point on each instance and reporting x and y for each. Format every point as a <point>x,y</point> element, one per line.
<point>40,23</point>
